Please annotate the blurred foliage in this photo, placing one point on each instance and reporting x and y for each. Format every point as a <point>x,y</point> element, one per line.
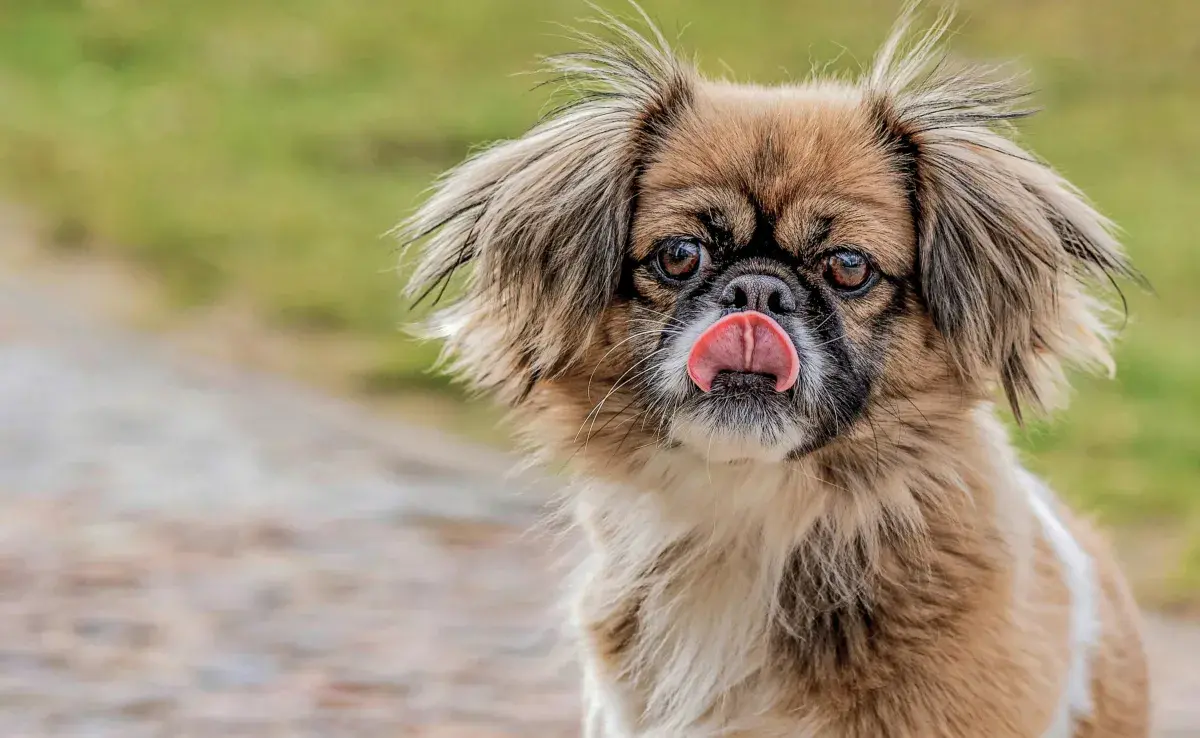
<point>261,149</point>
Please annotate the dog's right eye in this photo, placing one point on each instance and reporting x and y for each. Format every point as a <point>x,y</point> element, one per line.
<point>680,258</point>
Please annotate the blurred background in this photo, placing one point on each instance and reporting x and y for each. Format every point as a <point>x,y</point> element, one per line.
<point>195,201</point>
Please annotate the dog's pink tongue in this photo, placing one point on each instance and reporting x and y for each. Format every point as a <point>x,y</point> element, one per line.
<point>744,342</point>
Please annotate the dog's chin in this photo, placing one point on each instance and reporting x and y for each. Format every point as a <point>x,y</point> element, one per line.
<point>742,419</point>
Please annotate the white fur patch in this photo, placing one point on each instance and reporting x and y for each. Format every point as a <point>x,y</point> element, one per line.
<point>1084,623</point>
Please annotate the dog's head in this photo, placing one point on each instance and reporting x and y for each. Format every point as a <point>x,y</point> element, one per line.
<point>756,272</point>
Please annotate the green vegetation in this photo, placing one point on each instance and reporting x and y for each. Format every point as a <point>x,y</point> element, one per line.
<point>259,149</point>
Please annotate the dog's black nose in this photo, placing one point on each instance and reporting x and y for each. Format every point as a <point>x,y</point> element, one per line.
<point>760,292</point>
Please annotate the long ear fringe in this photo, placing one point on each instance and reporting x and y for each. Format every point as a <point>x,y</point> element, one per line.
<point>544,218</point>
<point>1007,247</point>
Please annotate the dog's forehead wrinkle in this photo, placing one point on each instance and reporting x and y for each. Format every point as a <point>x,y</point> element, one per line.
<point>787,170</point>
<point>762,135</point>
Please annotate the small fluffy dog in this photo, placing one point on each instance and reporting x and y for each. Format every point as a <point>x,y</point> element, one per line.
<point>766,325</point>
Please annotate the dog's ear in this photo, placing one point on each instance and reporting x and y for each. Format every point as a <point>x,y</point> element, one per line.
<point>545,219</point>
<point>1006,247</point>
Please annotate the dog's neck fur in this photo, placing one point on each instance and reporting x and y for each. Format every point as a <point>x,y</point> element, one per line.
<point>722,589</point>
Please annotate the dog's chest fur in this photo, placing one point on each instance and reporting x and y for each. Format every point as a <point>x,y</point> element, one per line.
<point>884,634</point>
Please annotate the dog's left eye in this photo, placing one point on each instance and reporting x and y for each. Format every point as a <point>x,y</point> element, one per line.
<point>847,271</point>
<point>680,258</point>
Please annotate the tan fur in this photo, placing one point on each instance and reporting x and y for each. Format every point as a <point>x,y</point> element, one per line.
<point>1120,683</point>
<point>891,579</point>
<point>956,617</point>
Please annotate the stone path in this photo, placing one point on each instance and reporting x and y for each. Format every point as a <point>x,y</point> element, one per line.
<point>188,549</point>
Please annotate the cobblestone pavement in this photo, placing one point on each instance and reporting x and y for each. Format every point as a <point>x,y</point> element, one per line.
<point>191,550</point>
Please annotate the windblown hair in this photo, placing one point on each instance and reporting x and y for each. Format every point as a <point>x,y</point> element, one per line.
<point>1005,243</point>
<point>545,218</point>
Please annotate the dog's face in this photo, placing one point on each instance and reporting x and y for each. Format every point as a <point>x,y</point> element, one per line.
<point>762,273</point>
<point>788,210</point>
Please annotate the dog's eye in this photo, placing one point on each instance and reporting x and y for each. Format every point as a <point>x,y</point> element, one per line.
<point>847,271</point>
<point>680,258</point>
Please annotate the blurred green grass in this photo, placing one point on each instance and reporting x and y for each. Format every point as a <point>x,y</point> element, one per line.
<point>261,149</point>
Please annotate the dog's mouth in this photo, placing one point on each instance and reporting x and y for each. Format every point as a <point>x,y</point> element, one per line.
<point>741,352</point>
<point>742,402</point>
<point>736,383</point>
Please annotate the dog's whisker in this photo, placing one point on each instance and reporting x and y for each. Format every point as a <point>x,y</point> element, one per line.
<point>609,353</point>
<point>616,386</point>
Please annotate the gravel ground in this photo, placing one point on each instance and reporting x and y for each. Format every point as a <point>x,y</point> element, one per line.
<point>188,549</point>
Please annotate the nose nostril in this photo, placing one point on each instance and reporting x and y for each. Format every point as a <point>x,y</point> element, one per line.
<point>740,299</point>
<point>775,303</point>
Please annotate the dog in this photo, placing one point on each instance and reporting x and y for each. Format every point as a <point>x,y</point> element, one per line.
<point>766,328</point>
